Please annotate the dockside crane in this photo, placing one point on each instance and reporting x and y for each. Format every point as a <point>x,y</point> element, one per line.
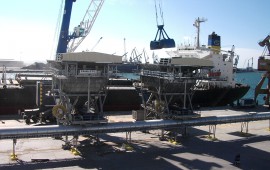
<point>264,65</point>
<point>69,42</point>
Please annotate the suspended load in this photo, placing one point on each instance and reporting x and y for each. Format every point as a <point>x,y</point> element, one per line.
<point>163,40</point>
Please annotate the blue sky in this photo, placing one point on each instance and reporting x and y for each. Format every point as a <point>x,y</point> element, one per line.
<point>28,26</point>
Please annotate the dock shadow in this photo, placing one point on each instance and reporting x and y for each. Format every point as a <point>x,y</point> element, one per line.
<point>241,134</point>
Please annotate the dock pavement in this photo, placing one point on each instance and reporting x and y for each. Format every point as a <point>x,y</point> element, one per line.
<point>192,151</point>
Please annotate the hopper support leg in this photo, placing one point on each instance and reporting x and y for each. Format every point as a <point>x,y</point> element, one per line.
<point>212,131</point>
<point>162,137</point>
<point>13,156</point>
<point>97,140</point>
<point>244,126</point>
<point>67,143</point>
<point>128,137</point>
<point>74,149</point>
<point>185,131</point>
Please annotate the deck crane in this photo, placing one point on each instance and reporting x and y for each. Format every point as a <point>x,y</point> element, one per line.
<point>163,40</point>
<point>69,42</point>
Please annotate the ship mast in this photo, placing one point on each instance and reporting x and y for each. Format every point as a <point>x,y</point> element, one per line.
<point>197,25</point>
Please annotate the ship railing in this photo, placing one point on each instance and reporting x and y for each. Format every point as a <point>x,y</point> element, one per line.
<point>159,74</point>
<point>169,75</point>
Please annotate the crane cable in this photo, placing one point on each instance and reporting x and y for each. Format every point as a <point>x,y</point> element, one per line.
<point>57,27</point>
<point>160,12</point>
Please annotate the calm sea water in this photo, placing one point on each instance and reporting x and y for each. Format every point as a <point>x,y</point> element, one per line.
<point>252,79</point>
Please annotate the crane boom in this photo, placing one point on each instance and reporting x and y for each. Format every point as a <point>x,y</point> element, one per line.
<point>69,42</point>
<point>266,43</point>
<point>85,26</point>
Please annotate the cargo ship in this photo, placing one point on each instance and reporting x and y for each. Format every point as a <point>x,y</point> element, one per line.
<point>212,68</point>
<point>218,86</point>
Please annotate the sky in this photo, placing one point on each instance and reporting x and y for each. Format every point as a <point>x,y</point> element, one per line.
<point>28,27</point>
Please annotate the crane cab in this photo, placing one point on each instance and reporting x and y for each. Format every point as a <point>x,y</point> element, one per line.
<point>263,64</point>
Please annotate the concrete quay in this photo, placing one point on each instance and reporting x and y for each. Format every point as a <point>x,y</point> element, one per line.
<point>194,151</point>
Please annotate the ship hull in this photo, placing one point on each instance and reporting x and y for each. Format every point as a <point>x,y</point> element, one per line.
<point>122,98</point>
<point>218,96</point>
<point>15,100</point>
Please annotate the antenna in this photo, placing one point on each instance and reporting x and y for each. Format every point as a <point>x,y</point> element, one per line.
<point>125,53</point>
<point>197,24</point>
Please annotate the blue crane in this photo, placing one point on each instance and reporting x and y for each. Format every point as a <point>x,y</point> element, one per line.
<point>64,37</point>
<point>69,42</point>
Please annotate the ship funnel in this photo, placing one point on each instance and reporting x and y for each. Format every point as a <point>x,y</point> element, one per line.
<point>214,42</point>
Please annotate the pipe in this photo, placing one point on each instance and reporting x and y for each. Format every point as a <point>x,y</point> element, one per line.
<point>60,130</point>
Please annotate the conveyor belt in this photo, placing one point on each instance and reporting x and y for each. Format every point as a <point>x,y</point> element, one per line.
<point>60,130</point>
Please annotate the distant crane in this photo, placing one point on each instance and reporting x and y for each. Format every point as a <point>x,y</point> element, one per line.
<point>135,57</point>
<point>69,42</point>
<point>125,52</point>
<point>249,66</point>
<point>155,58</point>
<point>145,56</point>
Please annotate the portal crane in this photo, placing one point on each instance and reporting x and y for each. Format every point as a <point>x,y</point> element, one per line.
<point>264,65</point>
<point>266,43</point>
<point>69,42</point>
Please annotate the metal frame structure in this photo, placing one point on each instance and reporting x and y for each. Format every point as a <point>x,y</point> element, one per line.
<point>167,90</point>
<point>75,89</point>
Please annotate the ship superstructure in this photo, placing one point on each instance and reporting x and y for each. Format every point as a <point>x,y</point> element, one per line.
<point>218,86</point>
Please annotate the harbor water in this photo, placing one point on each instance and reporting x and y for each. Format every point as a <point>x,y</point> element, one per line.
<point>252,79</point>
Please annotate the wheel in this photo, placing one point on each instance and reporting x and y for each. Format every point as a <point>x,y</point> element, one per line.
<point>34,118</point>
<point>27,121</point>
